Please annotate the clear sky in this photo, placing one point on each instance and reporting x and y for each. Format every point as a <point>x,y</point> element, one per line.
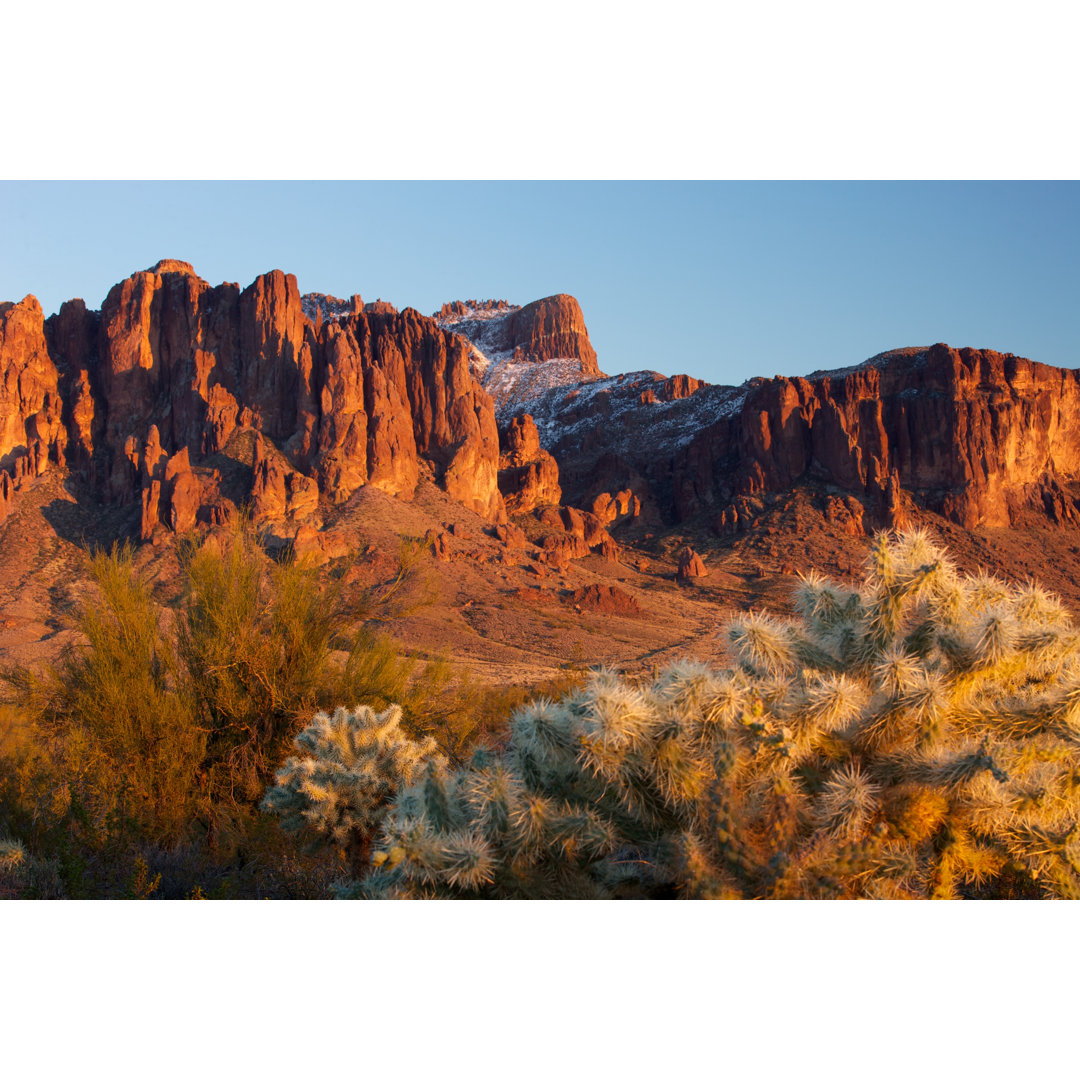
<point>719,280</point>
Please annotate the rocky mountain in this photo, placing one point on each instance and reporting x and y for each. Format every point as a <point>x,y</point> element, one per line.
<point>171,368</point>
<point>506,408</point>
<point>980,438</point>
<point>519,353</point>
<point>567,515</point>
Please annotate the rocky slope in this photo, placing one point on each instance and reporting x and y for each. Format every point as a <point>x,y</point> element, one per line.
<point>978,437</point>
<point>518,353</point>
<point>162,378</point>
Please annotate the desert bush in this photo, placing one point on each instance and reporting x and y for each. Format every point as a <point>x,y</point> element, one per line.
<point>122,740</point>
<point>162,729</point>
<point>915,736</point>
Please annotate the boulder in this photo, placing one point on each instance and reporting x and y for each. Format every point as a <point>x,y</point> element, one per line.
<point>690,565</point>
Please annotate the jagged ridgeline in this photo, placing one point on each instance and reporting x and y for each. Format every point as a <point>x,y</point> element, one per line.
<point>915,736</point>
<point>142,397</point>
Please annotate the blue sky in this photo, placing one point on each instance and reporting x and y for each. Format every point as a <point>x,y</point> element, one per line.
<point>720,280</point>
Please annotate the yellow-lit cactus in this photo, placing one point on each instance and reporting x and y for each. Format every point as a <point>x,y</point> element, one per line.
<point>916,736</point>
<point>353,762</point>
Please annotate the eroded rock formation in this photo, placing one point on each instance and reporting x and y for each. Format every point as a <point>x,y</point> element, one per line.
<point>528,474</point>
<point>982,438</point>
<point>172,365</point>
<point>32,431</point>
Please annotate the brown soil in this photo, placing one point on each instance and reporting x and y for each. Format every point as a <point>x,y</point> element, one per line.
<point>496,611</point>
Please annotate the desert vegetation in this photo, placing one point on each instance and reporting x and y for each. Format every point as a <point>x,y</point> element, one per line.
<point>142,755</point>
<point>915,736</point>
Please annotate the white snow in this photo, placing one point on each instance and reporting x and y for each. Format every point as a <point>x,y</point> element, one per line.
<point>514,384</point>
<point>312,303</point>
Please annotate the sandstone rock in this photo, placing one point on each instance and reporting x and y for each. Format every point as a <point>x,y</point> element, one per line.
<point>607,599</point>
<point>397,388</point>
<point>550,328</point>
<point>690,565</point>
<point>71,335</point>
<point>971,433</point>
<point>182,490</point>
<point>279,492</point>
<point>528,474</point>
<point>614,509</point>
<point>151,509</point>
<point>559,550</point>
<point>152,460</point>
<point>364,399</point>
<point>32,432</point>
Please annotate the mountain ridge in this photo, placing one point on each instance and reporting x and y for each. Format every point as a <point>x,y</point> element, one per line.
<point>355,393</point>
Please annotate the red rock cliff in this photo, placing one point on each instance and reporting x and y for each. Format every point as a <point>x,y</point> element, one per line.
<point>976,435</point>
<point>367,398</point>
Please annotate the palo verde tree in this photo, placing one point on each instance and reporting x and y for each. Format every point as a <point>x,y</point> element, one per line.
<point>915,736</point>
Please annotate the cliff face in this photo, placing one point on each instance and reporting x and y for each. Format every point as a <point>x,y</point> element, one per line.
<point>518,353</point>
<point>173,364</point>
<point>977,436</point>
<point>974,435</point>
<point>31,424</point>
<point>344,394</point>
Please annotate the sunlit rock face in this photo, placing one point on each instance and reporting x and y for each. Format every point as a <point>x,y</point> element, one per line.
<point>371,396</point>
<point>980,437</point>
<point>352,394</point>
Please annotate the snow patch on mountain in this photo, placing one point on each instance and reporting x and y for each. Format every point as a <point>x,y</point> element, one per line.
<point>628,411</point>
<point>513,381</point>
<point>330,306</point>
<point>879,360</point>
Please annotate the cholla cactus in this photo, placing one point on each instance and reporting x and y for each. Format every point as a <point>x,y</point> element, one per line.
<point>22,876</point>
<point>353,764</point>
<point>917,736</point>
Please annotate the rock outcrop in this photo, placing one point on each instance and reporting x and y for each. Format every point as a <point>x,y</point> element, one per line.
<point>520,353</point>
<point>690,565</point>
<point>278,491</point>
<point>173,365</point>
<point>528,474</point>
<point>614,509</point>
<point>549,329</point>
<point>32,431</point>
<point>606,599</point>
<point>982,438</point>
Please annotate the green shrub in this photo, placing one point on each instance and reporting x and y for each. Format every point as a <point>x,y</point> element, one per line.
<point>124,739</point>
<point>916,736</point>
